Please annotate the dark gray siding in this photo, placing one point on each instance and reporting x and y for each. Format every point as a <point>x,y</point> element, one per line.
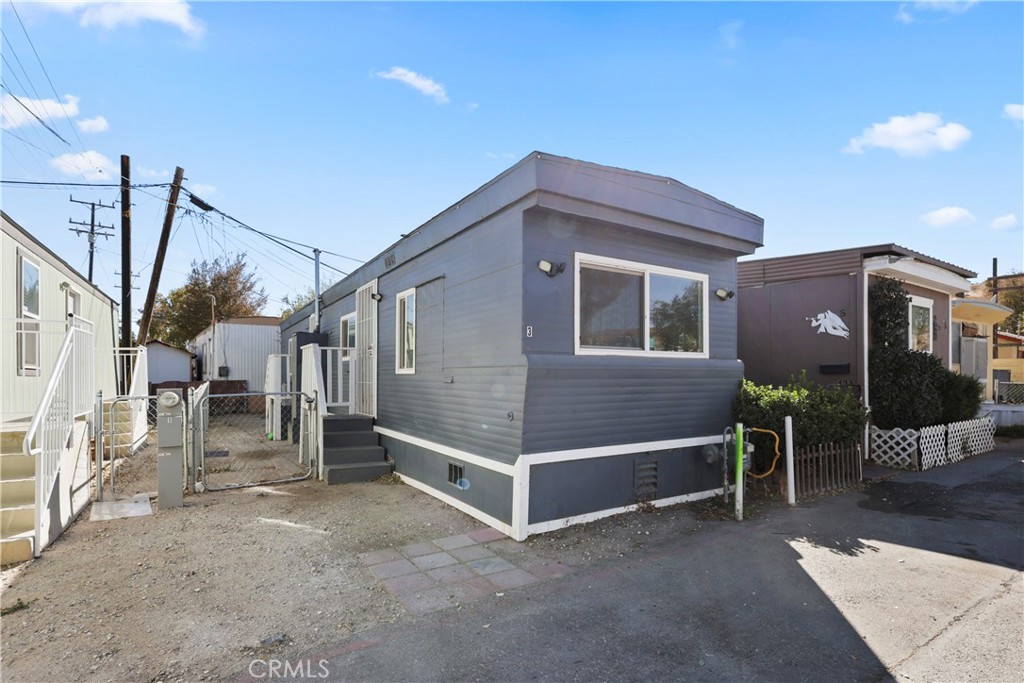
<point>564,489</point>
<point>486,490</point>
<point>470,373</point>
<point>777,341</point>
<point>583,401</point>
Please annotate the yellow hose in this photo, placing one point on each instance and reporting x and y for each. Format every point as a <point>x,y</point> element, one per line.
<point>777,454</point>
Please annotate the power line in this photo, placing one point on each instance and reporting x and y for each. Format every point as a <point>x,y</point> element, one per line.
<point>134,186</point>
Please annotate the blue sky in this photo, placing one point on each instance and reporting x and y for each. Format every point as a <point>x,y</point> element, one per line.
<point>343,125</point>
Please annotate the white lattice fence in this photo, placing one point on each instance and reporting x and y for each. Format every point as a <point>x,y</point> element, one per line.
<point>983,435</point>
<point>960,441</point>
<point>894,447</point>
<point>932,447</point>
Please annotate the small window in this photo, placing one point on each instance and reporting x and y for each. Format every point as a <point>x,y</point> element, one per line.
<point>405,332</point>
<point>631,308</point>
<point>28,312</point>
<point>920,324</point>
<point>348,331</point>
<point>74,303</point>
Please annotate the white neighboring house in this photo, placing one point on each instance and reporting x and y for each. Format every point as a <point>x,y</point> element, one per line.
<point>168,363</point>
<point>48,311</point>
<point>237,349</point>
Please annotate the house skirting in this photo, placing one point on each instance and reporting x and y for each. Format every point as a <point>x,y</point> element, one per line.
<point>542,492</point>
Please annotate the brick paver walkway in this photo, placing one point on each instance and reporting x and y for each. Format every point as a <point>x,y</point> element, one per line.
<point>434,575</point>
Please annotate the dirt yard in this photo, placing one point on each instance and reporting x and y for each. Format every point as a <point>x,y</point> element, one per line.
<point>196,593</point>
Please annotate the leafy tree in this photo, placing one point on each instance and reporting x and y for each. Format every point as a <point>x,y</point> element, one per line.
<point>1011,295</point>
<point>185,312</point>
<point>676,324</point>
<point>296,301</point>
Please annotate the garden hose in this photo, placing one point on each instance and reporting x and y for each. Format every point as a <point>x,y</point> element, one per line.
<point>777,454</point>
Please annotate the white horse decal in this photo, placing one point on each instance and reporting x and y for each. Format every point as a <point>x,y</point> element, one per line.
<point>830,323</point>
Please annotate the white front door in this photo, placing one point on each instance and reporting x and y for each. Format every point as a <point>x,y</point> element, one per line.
<point>366,350</point>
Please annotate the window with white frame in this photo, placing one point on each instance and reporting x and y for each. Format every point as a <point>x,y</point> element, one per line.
<point>28,312</point>
<point>348,331</point>
<point>405,332</point>
<point>920,333</point>
<point>629,308</point>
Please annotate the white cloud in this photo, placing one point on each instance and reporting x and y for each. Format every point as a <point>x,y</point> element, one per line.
<point>905,14</point>
<point>947,216</point>
<point>95,125</point>
<point>424,85</point>
<point>91,165</point>
<point>1014,112</point>
<point>152,173</point>
<point>1007,222</point>
<point>14,112</point>
<point>501,155</point>
<point>204,190</point>
<point>729,34</point>
<point>916,135</point>
<point>110,15</point>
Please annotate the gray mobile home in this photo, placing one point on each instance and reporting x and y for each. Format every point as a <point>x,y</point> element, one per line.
<point>555,347</point>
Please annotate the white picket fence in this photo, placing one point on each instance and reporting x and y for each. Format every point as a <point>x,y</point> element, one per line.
<point>932,446</point>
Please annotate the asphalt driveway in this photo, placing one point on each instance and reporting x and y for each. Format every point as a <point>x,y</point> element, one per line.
<point>918,577</point>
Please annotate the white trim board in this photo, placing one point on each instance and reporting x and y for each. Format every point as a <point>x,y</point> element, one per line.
<point>617,449</point>
<point>458,505</point>
<point>470,458</point>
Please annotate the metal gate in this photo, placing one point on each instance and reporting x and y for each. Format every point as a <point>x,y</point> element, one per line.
<point>239,440</point>
<point>127,435</point>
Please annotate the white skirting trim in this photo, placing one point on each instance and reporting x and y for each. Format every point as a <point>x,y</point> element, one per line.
<point>618,449</point>
<point>486,463</point>
<point>458,505</point>
<point>544,527</point>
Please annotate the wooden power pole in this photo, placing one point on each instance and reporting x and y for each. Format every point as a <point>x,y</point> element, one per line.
<point>126,251</point>
<point>91,232</point>
<point>158,263</point>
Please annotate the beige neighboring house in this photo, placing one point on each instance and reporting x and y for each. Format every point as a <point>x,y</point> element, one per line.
<point>48,310</point>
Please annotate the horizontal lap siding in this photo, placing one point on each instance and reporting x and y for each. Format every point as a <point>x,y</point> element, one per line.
<point>577,402</point>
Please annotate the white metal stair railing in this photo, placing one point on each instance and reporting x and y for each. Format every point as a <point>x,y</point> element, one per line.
<point>68,395</point>
<point>315,408</point>
<point>339,379</point>
<point>277,383</point>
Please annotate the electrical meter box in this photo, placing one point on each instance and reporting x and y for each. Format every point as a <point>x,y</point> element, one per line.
<point>170,417</point>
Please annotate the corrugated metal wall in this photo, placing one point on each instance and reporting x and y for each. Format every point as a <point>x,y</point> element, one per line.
<point>244,350</point>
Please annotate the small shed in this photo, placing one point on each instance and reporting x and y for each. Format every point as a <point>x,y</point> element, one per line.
<point>168,363</point>
<point>237,349</point>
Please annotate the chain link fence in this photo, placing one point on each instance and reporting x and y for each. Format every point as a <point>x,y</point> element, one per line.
<point>1010,392</point>
<point>250,439</point>
<point>129,438</point>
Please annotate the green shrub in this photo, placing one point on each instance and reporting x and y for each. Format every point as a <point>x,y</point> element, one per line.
<point>906,388</point>
<point>961,398</point>
<point>820,414</point>
<point>889,311</point>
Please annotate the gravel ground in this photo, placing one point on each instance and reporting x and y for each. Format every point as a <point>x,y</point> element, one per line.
<point>195,593</point>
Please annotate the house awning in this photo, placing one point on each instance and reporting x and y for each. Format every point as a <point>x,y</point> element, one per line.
<point>979,311</point>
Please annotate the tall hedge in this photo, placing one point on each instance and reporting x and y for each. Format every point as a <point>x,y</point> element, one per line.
<point>910,389</point>
<point>820,414</point>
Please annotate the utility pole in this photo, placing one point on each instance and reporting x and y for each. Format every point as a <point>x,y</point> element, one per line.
<point>126,251</point>
<point>91,232</point>
<point>161,250</point>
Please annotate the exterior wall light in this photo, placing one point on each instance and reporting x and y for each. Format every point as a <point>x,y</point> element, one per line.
<point>724,294</point>
<point>551,269</point>
<point>376,296</point>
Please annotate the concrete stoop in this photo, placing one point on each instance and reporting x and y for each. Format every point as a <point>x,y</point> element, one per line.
<point>17,498</point>
<point>352,450</point>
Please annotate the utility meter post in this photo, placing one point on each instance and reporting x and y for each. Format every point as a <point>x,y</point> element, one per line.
<point>170,438</point>
<point>739,471</point>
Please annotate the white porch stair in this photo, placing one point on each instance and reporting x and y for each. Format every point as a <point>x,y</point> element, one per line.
<point>17,498</point>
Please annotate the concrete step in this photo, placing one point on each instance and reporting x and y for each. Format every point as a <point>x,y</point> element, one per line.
<point>11,441</point>
<point>16,520</point>
<point>353,456</point>
<point>17,492</point>
<point>17,466</point>
<point>350,439</point>
<point>347,474</point>
<point>17,548</point>
<point>347,423</point>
